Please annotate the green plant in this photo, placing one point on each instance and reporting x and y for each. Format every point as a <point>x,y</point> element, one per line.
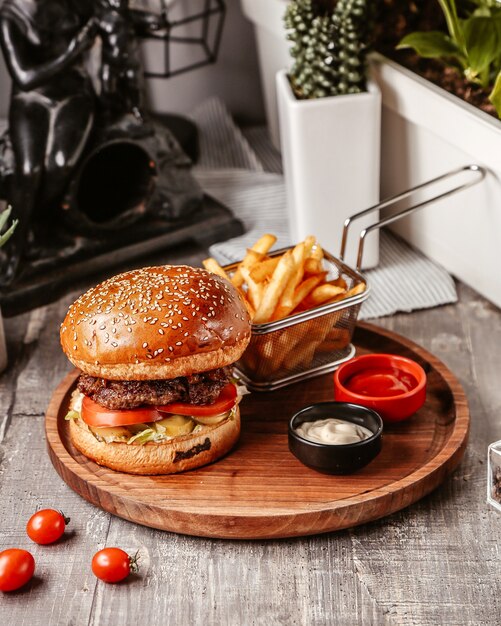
<point>4,217</point>
<point>472,44</point>
<point>330,46</point>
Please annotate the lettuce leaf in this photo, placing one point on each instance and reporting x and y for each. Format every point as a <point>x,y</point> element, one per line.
<point>144,436</point>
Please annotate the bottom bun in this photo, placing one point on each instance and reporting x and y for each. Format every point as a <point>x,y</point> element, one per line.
<point>177,455</point>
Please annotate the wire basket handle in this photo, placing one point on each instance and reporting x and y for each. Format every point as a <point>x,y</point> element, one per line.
<point>476,169</point>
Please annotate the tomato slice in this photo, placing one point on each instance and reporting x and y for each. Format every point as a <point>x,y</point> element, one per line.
<point>94,414</point>
<point>224,402</point>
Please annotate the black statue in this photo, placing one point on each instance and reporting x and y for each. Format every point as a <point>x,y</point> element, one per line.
<point>52,105</point>
<point>76,166</point>
<point>121,72</point>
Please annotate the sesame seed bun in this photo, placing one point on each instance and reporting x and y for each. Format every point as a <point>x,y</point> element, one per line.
<point>156,323</point>
<point>178,455</point>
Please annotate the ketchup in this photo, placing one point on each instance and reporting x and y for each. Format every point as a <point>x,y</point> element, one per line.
<point>381,382</point>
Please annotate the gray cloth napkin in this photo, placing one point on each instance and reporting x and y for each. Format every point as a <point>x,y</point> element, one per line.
<point>243,170</point>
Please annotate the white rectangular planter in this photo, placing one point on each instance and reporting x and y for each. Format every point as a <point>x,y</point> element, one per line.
<point>330,153</point>
<point>426,132</point>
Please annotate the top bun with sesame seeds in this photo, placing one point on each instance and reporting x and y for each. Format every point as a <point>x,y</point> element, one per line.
<point>156,323</point>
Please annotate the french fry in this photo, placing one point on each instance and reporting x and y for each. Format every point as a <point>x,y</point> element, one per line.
<point>312,266</point>
<point>309,242</point>
<point>261,358</point>
<point>315,255</point>
<point>286,302</point>
<point>299,255</point>
<point>322,294</point>
<point>285,346</point>
<point>280,312</point>
<point>339,282</point>
<point>213,266</point>
<point>313,333</point>
<point>316,252</point>
<point>336,339</point>
<point>253,257</point>
<point>261,246</point>
<point>250,309</point>
<point>255,290</point>
<point>300,293</point>
<point>275,288</point>
<point>354,291</point>
<point>263,270</point>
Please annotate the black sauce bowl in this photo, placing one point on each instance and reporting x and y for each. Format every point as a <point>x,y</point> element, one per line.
<point>336,458</point>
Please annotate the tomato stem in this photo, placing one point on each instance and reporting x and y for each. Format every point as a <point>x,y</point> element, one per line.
<point>134,562</point>
<point>67,520</point>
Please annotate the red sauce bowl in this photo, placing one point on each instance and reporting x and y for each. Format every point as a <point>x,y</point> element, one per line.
<point>394,386</point>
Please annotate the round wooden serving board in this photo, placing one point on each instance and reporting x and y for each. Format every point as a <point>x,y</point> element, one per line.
<point>260,490</point>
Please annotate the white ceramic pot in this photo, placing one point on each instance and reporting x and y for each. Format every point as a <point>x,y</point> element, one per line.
<point>426,132</point>
<point>3,346</point>
<point>267,17</point>
<point>330,153</point>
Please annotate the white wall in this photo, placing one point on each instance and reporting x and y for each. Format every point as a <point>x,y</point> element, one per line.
<point>234,78</point>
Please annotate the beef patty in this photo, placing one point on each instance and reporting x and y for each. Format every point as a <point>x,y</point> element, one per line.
<point>201,388</point>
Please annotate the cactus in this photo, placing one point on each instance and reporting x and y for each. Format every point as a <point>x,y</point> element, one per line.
<point>352,31</point>
<point>329,47</point>
<point>3,221</point>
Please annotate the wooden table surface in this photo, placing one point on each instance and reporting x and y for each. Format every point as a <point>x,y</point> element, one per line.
<point>437,562</point>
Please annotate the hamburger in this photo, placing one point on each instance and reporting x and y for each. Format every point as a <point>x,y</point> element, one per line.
<point>155,348</point>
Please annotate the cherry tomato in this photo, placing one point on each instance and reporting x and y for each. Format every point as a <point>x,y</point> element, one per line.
<point>46,526</point>
<point>113,564</point>
<point>16,568</point>
<point>94,414</point>
<point>224,402</point>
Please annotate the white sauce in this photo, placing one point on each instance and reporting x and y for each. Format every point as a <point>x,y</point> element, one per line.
<point>333,431</point>
<point>76,401</point>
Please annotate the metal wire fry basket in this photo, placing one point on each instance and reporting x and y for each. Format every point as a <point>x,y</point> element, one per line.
<point>306,344</point>
<point>318,340</point>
